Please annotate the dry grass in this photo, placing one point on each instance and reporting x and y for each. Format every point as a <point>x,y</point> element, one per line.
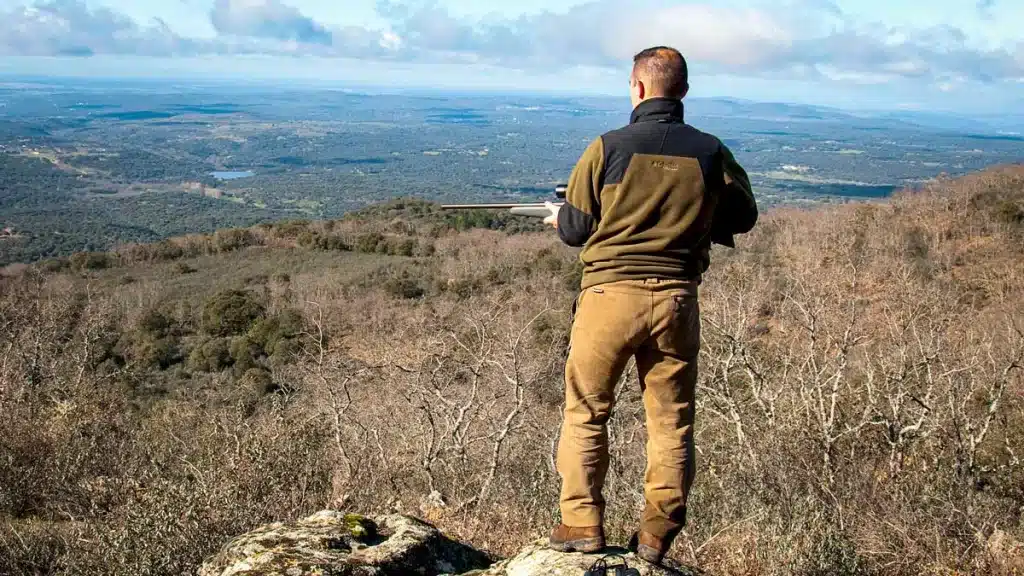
<point>861,400</point>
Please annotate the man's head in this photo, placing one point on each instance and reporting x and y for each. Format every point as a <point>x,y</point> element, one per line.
<point>658,72</point>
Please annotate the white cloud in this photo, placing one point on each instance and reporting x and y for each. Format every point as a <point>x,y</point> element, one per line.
<point>390,41</point>
<point>69,27</point>
<point>267,19</point>
<point>793,39</point>
<point>719,35</point>
<point>796,39</point>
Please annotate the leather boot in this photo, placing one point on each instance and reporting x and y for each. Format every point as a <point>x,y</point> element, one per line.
<point>650,548</point>
<point>569,539</point>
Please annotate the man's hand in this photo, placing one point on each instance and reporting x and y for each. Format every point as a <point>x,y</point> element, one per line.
<point>553,219</point>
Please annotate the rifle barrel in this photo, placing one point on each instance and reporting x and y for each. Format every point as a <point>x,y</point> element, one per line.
<point>490,206</point>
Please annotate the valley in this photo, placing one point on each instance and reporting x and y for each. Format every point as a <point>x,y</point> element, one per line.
<point>88,165</point>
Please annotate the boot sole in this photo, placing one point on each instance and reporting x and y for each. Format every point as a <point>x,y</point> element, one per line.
<point>586,545</point>
<point>649,554</point>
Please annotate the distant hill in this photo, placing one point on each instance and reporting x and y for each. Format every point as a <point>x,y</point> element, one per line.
<point>764,110</point>
<point>980,124</point>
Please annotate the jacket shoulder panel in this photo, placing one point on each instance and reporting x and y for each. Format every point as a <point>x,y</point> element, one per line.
<point>656,138</point>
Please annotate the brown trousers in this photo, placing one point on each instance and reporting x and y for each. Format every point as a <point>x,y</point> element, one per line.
<point>657,322</point>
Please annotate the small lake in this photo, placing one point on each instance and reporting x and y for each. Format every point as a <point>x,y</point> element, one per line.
<point>232,175</point>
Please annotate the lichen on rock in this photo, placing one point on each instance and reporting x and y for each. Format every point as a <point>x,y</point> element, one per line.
<point>336,544</point>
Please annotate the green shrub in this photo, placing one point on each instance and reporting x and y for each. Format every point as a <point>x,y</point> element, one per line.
<point>307,239</point>
<point>333,243</point>
<point>243,349</point>
<point>231,313</point>
<point>407,288</point>
<point>166,250</point>
<point>55,265</point>
<point>244,354</point>
<point>91,261</point>
<point>318,241</point>
<point>407,281</point>
<point>369,243</point>
<point>154,323</point>
<point>291,228</point>
<point>285,352</point>
<point>234,239</point>
<point>211,355</point>
<point>404,247</point>
<point>152,352</point>
<point>269,333</point>
<point>1011,213</point>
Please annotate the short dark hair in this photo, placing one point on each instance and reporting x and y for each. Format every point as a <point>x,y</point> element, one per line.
<point>665,69</point>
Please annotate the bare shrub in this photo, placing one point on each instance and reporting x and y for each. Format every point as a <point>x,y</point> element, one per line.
<point>860,403</point>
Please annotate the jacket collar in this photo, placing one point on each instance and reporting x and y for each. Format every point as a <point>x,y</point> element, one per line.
<point>658,110</point>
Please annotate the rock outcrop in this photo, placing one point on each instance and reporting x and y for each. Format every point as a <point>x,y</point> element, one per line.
<point>538,560</point>
<point>337,544</point>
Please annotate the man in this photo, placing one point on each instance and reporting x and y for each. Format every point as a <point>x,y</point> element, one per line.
<point>645,202</point>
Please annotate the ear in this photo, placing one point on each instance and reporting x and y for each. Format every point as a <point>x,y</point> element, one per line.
<point>641,90</point>
<point>686,91</point>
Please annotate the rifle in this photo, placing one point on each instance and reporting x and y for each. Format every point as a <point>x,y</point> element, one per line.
<point>534,209</point>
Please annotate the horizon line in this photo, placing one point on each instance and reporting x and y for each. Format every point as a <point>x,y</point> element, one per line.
<point>366,89</point>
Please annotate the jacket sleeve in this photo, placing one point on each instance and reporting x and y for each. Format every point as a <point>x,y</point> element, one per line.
<point>578,218</point>
<point>736,212</point>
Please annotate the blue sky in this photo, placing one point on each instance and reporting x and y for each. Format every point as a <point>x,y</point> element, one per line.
<point>900,54</point>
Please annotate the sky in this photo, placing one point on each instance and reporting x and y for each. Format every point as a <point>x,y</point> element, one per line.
<point>949,55</point>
